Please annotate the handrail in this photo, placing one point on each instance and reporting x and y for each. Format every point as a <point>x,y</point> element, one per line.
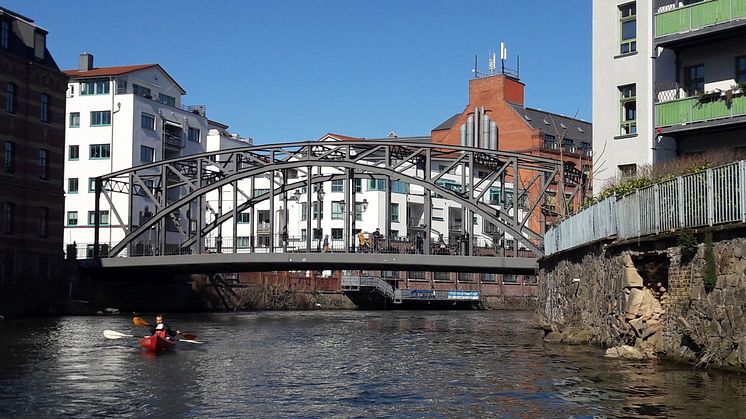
<point>712,197</point>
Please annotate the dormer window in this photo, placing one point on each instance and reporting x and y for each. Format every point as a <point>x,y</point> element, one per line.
<point>167,100</point>
<point>94,87</point>
<point>40,45</point>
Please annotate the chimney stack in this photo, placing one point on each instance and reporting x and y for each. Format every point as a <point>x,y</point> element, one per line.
<point>86,62</point>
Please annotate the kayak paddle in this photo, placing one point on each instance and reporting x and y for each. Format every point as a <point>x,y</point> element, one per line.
<point>113,334</point>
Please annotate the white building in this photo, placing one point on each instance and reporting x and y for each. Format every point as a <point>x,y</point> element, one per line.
<point>668,78</point>
<point>407,213</point>
<point>119,117</point>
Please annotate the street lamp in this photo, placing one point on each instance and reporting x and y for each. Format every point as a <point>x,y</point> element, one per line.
<point>320,196</point>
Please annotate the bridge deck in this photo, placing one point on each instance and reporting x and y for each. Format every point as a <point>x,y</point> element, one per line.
<point>258,262</point>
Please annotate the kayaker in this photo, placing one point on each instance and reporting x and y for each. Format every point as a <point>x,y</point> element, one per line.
<point>161,329</point>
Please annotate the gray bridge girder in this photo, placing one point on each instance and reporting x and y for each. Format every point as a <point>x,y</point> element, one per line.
<point>257,262</point>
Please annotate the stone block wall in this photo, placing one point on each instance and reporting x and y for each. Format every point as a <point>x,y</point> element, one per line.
<point>648,300</point>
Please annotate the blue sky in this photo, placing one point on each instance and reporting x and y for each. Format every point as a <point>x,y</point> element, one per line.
<point>283,70</point>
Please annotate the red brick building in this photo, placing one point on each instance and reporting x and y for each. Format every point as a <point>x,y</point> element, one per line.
<point>32,113</point>
<point>500,99</point>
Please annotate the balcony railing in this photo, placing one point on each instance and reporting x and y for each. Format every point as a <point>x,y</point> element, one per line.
<point>672,18</point>
<point>173,140</point>
<point>699,108</point>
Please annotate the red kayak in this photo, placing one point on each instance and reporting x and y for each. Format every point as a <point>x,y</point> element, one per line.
<point>156,343</point>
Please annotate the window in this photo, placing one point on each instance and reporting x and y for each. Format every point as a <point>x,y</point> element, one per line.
<point>510,279</point>
<point>99,151</point>
<point>358,211</point>
<point>9,157</point>
<point>741,69</point>
<point>147,154</point>
<point>44,108</point>
<point>315,208</point>
<point>103,218</point>
<point>337,233</point>
<point>72,218</point>
<point>394,213</point>
<point>43,221</point>
<point>243,242</point>
<point>376,184</point>
<point>193,134</point>
<point>358,185</point>
<point>398,186</point>
<point>5,34</point>
<point>550,142</point>
<point>303,209</point>
<point>147,121</point>
<point>568,145</point>
<point>91,184</point>
<point>74,119</point>
<point>8,208</point>
<point>694,79</point>
<point>303,234</point>
<point>587,152</point>
<point>72,185</point>
<point>244,217</point>
<point>260,191</point>
<point>437,214</point>
<point>628,169</point>
<point>40,44</point>
<point>73,152</point>
<point>141,91</point>
<point>416,274</point>
<point>100,118</point>
<point>43,163</point>
<point>441,276</point>
<point>121,87</point>
<point>338,186</point>
<point>10,100</point>
<point>167,100</point>
<point>337,210</point>
<point>628,105</point>
<point>628,19</point>
<point>94,87</point>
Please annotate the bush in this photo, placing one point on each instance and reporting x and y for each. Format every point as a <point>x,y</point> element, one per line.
<point>709,277</point>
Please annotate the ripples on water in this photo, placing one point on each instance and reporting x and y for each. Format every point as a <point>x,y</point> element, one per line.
<point>345,364</point>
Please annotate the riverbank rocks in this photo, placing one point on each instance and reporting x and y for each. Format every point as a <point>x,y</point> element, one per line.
<point>624,351</point>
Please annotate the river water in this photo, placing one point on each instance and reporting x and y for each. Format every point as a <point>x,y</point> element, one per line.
<point>340,364</point>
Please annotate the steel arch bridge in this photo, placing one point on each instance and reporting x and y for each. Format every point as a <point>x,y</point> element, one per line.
<point>177,191</point>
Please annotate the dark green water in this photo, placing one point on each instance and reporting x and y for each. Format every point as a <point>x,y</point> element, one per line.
<point>340,364</point>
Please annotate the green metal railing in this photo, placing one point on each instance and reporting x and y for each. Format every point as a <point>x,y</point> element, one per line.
<point>694,109</point>
<point>698,15</point>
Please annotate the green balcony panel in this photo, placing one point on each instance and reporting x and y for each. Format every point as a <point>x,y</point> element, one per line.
<point>685,111</point>
<point>698,15</point>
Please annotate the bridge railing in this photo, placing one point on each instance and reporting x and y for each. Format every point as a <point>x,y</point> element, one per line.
<point>456,246</point>
<point>712,197</point>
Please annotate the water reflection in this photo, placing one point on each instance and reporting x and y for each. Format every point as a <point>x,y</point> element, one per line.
<point>351,364</point>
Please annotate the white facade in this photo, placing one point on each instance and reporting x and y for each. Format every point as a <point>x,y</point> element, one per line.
<point>685,59</point>
<point>117,118</point>
<point>407,215</point>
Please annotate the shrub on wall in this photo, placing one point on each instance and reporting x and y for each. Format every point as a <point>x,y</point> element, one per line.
<point>687,245</point>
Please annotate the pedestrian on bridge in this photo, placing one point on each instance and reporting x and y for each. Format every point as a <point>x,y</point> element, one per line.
<point>361,241</point>
<point>377,240</point>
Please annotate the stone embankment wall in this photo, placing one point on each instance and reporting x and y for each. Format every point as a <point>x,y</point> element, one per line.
<point>650,298</point>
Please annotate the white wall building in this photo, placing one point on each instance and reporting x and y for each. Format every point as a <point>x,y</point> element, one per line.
<point>668,82</point>
<point>407,214</point>
<point>116,118</point>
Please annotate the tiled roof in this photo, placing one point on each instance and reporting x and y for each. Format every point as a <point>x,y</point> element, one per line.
<point>107,71</point>
<point>558,125</point>
<point>448,123</point>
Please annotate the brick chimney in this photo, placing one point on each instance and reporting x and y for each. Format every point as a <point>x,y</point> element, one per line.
<point>486,91</point>
<point>86,62</point>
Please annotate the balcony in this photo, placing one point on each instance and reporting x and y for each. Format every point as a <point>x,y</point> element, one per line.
<point>173,140</point>
<point>707,107</point>
<point>673,19</point>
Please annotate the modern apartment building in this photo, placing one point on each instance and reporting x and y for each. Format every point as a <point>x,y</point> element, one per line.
<point>668,82</point>
<point>32,113</point>
<point>116,118</point>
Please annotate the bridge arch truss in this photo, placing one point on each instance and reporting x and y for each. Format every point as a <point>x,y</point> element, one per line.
<point>177,191</point>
